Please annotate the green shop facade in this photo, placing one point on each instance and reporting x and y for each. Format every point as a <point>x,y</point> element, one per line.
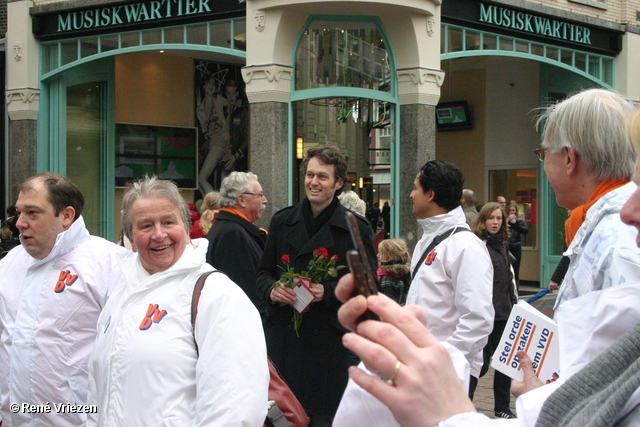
<point>129,88</point>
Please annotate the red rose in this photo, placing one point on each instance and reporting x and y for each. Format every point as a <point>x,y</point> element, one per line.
<point>323,252</point>
<point>334,258</point>
<point>285,259</point>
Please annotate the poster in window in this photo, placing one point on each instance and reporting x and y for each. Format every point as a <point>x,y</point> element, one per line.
<point>223,122</point>
<point>166,151</point>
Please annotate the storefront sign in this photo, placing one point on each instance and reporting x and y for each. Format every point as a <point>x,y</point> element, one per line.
<point>534,26</point>
<point>130,14</point>
<point>136,15</point>
<point>522,21</point>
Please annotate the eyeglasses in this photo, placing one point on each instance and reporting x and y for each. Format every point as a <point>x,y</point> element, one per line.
<point>262,196</point>
<point>541,153</point>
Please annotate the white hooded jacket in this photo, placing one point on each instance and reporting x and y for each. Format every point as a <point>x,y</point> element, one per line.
<point>587,326</point>
<point>145,370</point>
<point>48,313</point>
<point>603,252</point>
<point>455,286</point>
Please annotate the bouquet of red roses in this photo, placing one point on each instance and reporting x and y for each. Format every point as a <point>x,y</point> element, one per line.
<point>319,269</point>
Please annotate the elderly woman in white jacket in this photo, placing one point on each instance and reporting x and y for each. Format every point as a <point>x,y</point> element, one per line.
<point>146,369</point>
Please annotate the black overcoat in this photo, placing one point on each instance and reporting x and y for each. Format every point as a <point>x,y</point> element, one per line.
<point>235,247</point>
<point>315,363</point>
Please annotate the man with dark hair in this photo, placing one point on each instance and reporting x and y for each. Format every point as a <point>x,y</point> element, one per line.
<point>235,243</point>
<point>312,359</point>
<point>452,270</point>
<point>452,278</point>
<point>53,289</point>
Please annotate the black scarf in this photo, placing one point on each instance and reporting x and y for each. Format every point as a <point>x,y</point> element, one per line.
<point>314,224</point>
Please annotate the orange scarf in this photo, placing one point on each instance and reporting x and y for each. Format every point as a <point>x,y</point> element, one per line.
<point>235,212</point>
<point>241,215</point>
<point>578,215</point>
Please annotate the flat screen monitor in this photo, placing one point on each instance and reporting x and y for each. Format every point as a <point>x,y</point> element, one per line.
<point>453,116</point>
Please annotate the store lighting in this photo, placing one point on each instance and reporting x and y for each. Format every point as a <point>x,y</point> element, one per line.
<point>299,148</point>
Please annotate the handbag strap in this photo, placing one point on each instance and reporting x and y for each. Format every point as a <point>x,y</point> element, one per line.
<point>435,242</point>
<point>195,299</point>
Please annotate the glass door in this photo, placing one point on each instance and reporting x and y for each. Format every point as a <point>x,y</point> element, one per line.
<point>85,134</point>
<point>76,137</point>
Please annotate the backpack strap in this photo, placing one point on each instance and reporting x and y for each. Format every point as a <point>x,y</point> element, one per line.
<point>195,299</point>
<point>435,242</point>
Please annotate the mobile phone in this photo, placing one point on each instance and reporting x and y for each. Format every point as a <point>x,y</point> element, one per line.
<point>360,266</point>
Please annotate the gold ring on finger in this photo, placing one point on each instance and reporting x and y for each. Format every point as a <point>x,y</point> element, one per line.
<point>395,372</point>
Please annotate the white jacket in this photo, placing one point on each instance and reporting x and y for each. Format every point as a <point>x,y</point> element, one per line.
<point>603,252</point>
<point>145,370</point>
<point>587,326</point>
<point>455,286</point>
<point>47,336</point>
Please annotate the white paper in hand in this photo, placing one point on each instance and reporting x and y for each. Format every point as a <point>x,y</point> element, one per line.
<point>304,294</point>
<point>529,330</point>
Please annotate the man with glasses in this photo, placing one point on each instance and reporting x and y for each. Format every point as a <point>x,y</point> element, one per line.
<point>589,160</point>
<point>235,243</point>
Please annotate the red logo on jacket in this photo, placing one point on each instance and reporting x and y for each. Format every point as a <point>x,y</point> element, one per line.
<point>154,315</point>
<point>430,257</point>
<point>65,278</point>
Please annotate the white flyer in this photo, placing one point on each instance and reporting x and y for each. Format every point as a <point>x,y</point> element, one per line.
<point>530,330</point>
<point>304,294</point>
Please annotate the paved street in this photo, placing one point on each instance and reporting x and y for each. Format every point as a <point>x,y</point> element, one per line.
<point>483,398</point>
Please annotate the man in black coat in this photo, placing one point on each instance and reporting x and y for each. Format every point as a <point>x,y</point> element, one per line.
<point>235,243</point>
<point>315,363</point>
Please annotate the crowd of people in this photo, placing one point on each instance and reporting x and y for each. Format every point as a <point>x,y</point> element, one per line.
<point>113,333</point>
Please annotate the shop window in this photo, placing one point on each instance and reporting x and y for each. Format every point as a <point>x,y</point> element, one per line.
<point>50,57</point>
<point>109,43</point>
<point>552,53</point>
<point>607,70</point>
<point>174,35</point>
<point>455,40</point>
<point>581,61</point>
<point>566,57</point>
<point>342,54</point>
<point>520,185</point>
<point>197,34</point>
<point>240,34</point>
<point>472,40</point>
<point>594,67</point>
<point>489,41</point>
<point>152,37</point>
<point>538,50</point>
<point>88,47</point>
<point>130,40</point>
<point>219,34</point>
<point>506,43</point>
<point>522,47</point>
<point>68,52</point>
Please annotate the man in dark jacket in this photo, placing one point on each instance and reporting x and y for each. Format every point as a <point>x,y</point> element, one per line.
<point>235,243</point>
<point>313,362</point>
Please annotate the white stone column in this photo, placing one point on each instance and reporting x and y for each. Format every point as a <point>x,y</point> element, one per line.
<point>22,94</point>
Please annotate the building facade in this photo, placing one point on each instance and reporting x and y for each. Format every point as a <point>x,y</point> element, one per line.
<point>105,91</point>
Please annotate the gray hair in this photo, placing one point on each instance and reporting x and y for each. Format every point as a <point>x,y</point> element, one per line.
<point>152,188</point>
<point>351,201</point>
<point>469,196</point>
<point>592,122</point>
<point>233,185</point>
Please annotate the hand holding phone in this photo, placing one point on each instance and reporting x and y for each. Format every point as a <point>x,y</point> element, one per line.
<point>358,259</point>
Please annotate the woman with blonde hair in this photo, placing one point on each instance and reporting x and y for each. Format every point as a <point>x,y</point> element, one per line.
<point>491,227</point>
<point>394,272</point>
<point>210,208</point>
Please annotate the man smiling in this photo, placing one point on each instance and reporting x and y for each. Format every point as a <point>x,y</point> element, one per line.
<point>52,291</point>
<point>315,363</point>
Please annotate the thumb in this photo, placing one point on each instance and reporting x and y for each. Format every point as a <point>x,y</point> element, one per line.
<point>530,380</point>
